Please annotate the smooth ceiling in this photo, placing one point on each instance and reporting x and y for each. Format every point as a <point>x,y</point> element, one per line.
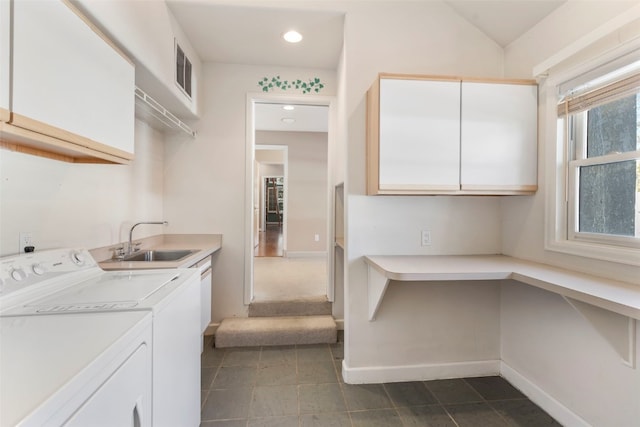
<point>250,32</point>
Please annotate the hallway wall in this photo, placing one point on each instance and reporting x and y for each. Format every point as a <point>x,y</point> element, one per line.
<point>307,189</point>
<point>205,177</point>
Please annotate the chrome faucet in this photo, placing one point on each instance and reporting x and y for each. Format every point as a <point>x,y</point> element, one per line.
<point>130,247</point>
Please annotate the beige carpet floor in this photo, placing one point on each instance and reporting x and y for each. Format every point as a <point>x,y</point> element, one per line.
<point>278,278</point>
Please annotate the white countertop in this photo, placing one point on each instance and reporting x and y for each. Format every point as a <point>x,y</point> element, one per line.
<point>612,307</point>
<point>204,244</point>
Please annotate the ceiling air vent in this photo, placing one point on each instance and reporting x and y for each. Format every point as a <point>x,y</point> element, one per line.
<point>158,117</point>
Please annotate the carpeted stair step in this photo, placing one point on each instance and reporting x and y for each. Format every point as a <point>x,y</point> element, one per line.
<point>286,330</point>
<point>312,306</point>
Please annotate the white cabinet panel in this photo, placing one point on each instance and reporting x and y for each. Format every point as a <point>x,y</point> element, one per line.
<point>68,81</point>
<point>499,136</point>
<point>205,302</point>
<point>449,135</point>
<point>419,134</point>
<point>5,59</point>
<point>176,371</point>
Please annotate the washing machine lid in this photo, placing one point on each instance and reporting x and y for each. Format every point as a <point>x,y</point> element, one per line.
<point>45,361</point>
<point>108,291</point>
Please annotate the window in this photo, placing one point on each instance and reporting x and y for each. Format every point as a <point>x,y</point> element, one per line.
<point>599,126</point>
<point>183,71</point>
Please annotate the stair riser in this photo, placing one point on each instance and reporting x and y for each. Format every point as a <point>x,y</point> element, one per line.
<point>294,308</point>
<point>248,339</point>
<point>284,330</point>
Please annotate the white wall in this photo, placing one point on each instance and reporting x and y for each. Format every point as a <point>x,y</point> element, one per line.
<point>420,325</point>
<point>308,186</point>
<point>523,232</point>
<point>550,345</point>
<point>81,205</point>
<point>543,338</point>
<point>205,177</point>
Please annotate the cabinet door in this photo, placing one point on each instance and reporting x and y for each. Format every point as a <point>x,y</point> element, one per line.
<point>205,302</point>
<point>68,81</point>
<point>5,59</point>
<point>419,141</point>
<point>176,363</point>
<point>499,137</point>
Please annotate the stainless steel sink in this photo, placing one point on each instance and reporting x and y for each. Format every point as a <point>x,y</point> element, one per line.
<point>160,255</point>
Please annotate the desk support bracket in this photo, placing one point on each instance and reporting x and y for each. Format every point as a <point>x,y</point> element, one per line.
<point>618,330</point>
<point>376,287</point>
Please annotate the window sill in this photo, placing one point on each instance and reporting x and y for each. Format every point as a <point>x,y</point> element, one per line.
<point>620,255</point>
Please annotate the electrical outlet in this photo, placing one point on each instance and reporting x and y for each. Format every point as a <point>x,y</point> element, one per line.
<point>425,237</point>
<point>316,237</point>
<point>26,239</point>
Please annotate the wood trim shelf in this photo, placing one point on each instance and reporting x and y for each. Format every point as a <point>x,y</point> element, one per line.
<point>456,79</point>
<point>81,150</point>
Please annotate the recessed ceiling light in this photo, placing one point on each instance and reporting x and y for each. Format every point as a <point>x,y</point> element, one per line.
<point>288,120</point>
<point>288,108</point>
<point>292,36</point>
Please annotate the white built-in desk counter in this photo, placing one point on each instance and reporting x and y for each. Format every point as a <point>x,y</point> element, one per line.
<point>610,306</point>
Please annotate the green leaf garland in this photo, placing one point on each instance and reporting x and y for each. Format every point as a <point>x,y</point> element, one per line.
<point>311,85</point>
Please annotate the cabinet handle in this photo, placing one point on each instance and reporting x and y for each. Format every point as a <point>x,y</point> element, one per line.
<point>137,414</point>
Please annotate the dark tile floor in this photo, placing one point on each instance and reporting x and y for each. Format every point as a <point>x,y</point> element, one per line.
<point>302,386</point>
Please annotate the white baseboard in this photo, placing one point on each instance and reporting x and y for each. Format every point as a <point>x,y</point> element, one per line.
<point>306,254</point>
<point>557,410</point>
<point>340,324</point>
<point>387,374</point>
<point>383,374</point>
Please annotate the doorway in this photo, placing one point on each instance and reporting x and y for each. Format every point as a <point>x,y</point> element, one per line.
<point>269,214</point>
<point>288,258</point>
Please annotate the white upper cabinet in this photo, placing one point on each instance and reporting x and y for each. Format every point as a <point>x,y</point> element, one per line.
<point>419,135</point>
<point>5,59</point>
<point>445,135</point>
<point>499,137</point>
<point>70,84</point>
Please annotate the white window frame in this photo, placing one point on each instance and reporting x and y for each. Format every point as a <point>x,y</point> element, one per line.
<point>560,177</point>
<point>577,142</point>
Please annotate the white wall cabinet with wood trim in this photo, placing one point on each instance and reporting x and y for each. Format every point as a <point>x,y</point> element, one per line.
<point>5,59</point>
<point>72,92</point>
<point>419,134</point>
<point>447,135</point>
<point>499,137</point>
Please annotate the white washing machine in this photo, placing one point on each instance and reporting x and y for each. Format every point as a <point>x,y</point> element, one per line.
<point>55,371</point>
<point>68,282</point>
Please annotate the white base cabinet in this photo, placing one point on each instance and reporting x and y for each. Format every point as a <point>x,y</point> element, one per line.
<point>69,84</point>
<point>447,135</point>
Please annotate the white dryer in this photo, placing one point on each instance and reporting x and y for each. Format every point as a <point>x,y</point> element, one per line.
<point>65,281</point>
